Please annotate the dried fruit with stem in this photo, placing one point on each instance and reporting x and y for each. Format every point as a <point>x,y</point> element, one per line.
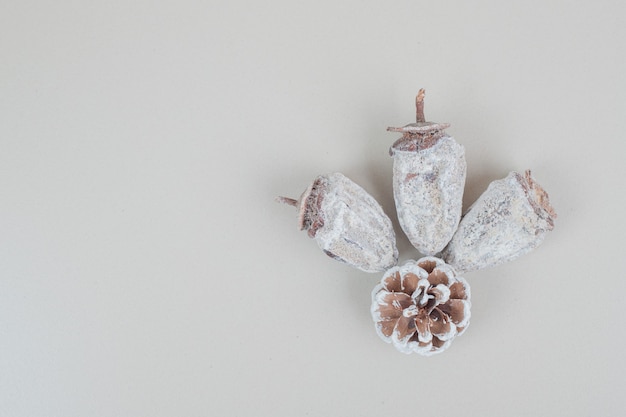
<point>348,223</point>
<point>429,171</point>
<point>509,219</point>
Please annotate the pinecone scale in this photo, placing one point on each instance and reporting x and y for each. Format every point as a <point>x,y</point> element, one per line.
<point>421,306</point>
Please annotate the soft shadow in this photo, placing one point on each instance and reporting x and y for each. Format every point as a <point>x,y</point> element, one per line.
<point>477,183</point>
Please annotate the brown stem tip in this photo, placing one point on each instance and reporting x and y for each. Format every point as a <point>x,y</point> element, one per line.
<point>419,106</point>
<point>287,200</point>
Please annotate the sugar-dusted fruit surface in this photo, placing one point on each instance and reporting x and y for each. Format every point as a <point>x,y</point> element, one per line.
<point>429,172</point>
<point>511,218</point>
<point>348,224</point>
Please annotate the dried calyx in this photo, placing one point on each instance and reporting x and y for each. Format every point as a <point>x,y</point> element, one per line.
<point>537,197</point>
<point>309,206</point>
<point>421,134</point>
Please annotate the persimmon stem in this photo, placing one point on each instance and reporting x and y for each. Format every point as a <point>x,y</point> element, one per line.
<point>287,200</point>
<point>419,106</point>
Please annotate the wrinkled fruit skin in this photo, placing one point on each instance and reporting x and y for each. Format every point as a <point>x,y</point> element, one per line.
<point>348,223</point>
<point>509,219</point>
<point>421,306</point>
<point>428,191</point>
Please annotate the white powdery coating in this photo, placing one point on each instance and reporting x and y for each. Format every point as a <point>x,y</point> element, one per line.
<point>499,227</point>
<point>428,190</point>
<point>356,229</point>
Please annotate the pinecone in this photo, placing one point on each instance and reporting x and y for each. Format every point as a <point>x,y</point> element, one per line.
<point>421,306</point>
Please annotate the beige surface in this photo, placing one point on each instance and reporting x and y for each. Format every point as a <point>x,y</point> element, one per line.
<point>145,269</point>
